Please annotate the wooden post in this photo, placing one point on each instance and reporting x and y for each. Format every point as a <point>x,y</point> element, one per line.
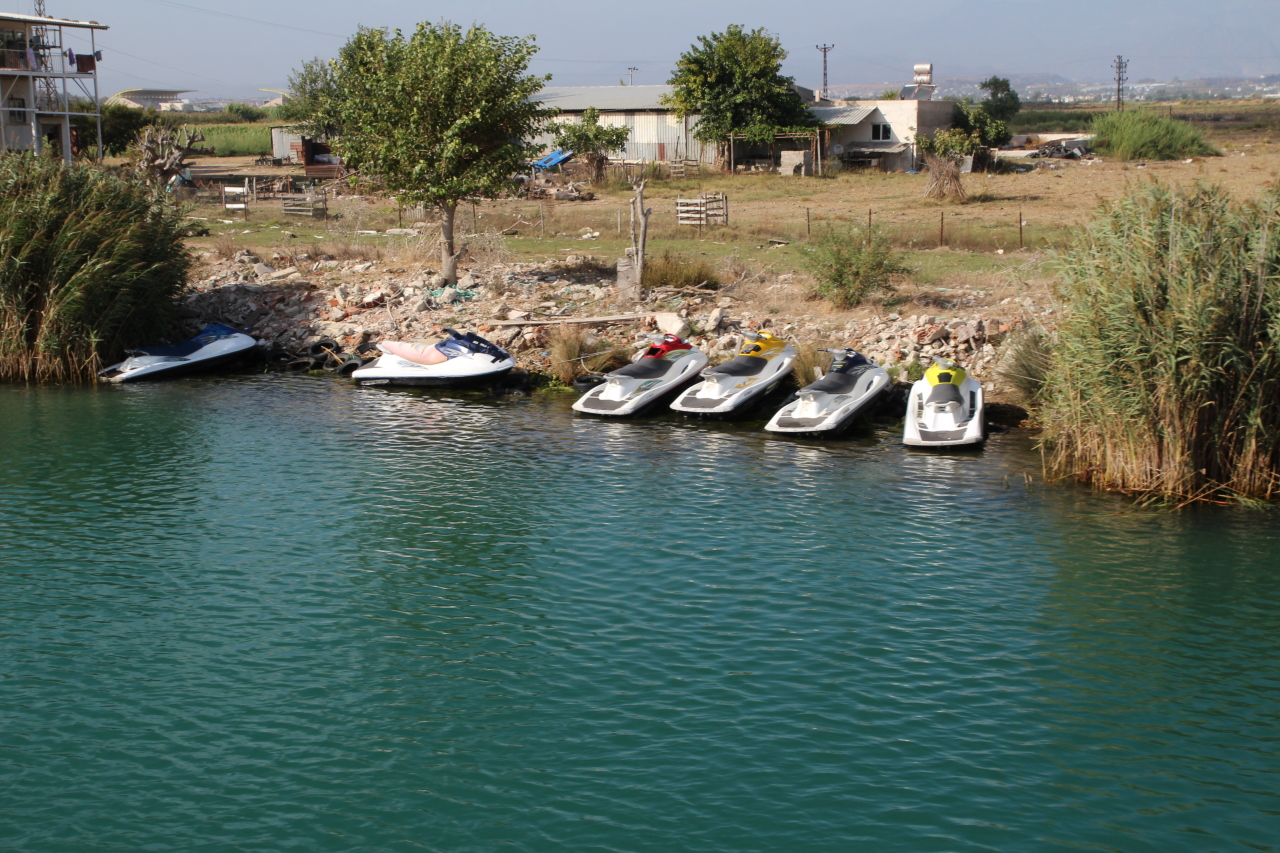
<point>808,224</point>
<point>1019,229</point>
<point>619,220</point>
<point>868,220</point>
<point>542,222</point>
<point>942,226</point>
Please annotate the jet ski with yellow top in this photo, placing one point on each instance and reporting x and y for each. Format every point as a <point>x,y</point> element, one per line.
<point>760,365</point>
<point>848,389</point>
<point>666,366</point>
<point>945,408</point>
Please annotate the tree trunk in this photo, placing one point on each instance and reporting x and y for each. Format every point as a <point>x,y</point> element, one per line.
<point>448,254</point>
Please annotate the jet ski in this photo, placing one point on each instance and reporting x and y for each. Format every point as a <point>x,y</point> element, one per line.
<point>457,361</point>
<point>852,384</point>
<point>668,364</point>
<point>216,344</point>
<point>944,409</point>
<point>758,368</point>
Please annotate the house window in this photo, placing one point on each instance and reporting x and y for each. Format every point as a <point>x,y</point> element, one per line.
<point>18,110</point>
<point>880,132</point>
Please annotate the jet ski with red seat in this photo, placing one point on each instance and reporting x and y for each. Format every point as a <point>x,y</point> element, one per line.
<point>667,365</point>
<point>763,362</point>
<point>945,408</point>
<point>458,361</point>
<point>827,406</point>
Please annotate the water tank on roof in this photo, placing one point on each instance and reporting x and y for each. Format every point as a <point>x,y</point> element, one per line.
<point>924,74</point>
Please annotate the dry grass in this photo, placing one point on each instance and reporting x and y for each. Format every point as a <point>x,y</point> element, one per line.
<point>573,352</point>
<point>944,179</point>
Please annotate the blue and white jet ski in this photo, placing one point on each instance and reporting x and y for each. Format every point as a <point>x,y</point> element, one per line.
<point>835,400</point>
<point>216,344</point>
<point>455,362</point>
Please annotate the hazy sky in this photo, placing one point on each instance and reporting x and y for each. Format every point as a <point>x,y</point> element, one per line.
<point>233,48</point>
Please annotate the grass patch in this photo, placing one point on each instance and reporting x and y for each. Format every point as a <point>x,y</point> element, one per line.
<point>573,352</point>
<point>1166,378</point>
<point>1051,121</point>
<point>670,270</point>
<point>237,140</point>
<point>1133,135</point>
<point>849,265</point>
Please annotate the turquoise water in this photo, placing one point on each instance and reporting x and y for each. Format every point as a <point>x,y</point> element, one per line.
<point>279,613</point>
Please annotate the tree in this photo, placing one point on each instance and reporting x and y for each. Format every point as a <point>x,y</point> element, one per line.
<point>310,86</point>
<point>734,81</point>
<point>592,141</point>
<point>246,112</point>
<point>438,116</point>
<point>120,126</point>
<point>1002,103</point>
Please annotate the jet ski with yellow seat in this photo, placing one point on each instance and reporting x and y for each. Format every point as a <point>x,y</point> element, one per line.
<point>666,366</point>
<point>835,401</point>
<point>458,361</point>
<point>945,408</point>
<point>760,365</point>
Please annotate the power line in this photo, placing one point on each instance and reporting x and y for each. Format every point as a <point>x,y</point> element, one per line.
<point>242,18</point>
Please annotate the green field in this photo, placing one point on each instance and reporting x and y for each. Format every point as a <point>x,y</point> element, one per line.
<point>237,140</point>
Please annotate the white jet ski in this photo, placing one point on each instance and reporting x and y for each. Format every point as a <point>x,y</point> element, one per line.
<point>216,344</point>
<point>457,361</point>
<point>757,369</point>
<point>945,408</point>
<point>852,384</point>
<point>666,366</point>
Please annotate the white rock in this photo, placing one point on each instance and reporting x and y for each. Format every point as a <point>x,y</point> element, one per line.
<point>671,323</point>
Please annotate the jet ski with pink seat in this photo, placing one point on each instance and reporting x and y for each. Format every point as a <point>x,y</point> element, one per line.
<point>458,361</point>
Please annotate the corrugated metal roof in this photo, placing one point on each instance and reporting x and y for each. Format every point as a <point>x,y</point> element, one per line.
<point>876,147</point>
<point>52,22</point>
<point>604,98</point>
<point>842,115</point>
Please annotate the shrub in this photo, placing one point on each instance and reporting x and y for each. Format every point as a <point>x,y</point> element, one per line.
<point>1026,362</point>
<point>1166,376</point>
<point>574,352</point>
<point>670,270</point>
<point>89,264</point>
<point>850,264</point>
<point>1135,135</point>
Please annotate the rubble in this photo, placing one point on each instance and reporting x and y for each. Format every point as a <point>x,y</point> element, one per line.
<point>514,304</point>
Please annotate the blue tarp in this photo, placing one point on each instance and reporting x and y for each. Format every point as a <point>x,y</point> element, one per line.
<point>555,158</point>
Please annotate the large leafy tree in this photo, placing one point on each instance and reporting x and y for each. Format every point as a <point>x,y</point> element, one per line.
<point>734,81</point>
<point>1002,102</point>
<point>310,87</point>
<point>438,116</point>
<point>592,141</point>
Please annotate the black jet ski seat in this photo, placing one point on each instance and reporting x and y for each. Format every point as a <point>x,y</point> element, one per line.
<point>645,368</point>
<point>840,382</point>
<point>743,365</point>
<point>943,396</point>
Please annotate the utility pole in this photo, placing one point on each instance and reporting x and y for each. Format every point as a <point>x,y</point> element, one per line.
<point>1121,65</point>
<point>632,72</point>
<point>45,86</point>
<point>825,48</point>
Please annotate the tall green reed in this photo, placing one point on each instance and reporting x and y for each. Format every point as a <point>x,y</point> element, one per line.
<point>1135,135</point>
<point>90,263</point>
<point>1165,381</point>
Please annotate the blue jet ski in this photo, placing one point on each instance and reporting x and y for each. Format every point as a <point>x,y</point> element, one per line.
<point>216,344</point>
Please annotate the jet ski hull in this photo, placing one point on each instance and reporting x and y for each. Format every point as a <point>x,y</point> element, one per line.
<point>719,394</point>
<point>929,426</point>
<point>623,396</point>
<point>471,361</point>
<point>216,345</point>
<point>820,409</point>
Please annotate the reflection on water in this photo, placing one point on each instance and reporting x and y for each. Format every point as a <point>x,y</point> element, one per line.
<point>277,612</point>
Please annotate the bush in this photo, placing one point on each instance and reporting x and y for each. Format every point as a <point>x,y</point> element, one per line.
<point>848,265</point>
<point>1166,375</point>
<point>90,263</point>
<point>670,270</point>
<point>1135,135</point>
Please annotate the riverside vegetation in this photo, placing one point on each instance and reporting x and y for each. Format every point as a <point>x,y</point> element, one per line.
<point>89,263</point>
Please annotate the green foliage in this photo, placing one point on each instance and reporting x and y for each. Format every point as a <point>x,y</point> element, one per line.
<point>950,144</point>
<point>1135,135</point>
<point>849,265</point>
<point>1027,360</point>
<point>889,95</point>
<point>120,125</point>
<point>438,116</point>
<point>991,131</point>
<point>592,141</point>
<point>1166,376</point>
<point>311,86</point>
<point>90,263</point>
<point>1051,121</point>
<point>734,81</point>
<point>237,140</point>
<point>245,112</point>
<point>1001,103</point>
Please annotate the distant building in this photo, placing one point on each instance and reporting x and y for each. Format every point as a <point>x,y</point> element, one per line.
<point>151,99</point>
<point>40,76</point>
